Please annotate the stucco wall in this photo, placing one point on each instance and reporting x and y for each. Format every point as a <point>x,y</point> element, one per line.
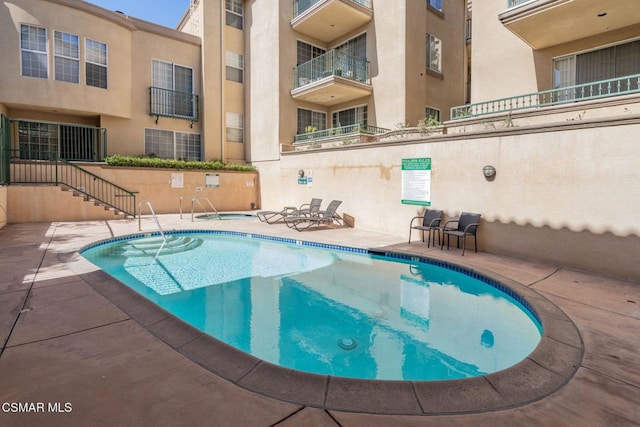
<point>568,197</point>
<point>236,192</point>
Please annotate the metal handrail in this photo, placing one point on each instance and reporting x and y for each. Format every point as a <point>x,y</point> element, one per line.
<point>601,89</point>
<point>48,169</point>
<point>155,218</point>
<point>197,200</point>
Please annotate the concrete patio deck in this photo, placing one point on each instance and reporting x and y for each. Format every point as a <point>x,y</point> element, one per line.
<point>88,362</point>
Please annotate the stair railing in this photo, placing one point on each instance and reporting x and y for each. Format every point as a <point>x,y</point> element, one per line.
<point>59,172</point>
<point>155,218</point>
<point>198,200</point>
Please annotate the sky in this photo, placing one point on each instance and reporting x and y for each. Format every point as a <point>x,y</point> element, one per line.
<point>163,12</point>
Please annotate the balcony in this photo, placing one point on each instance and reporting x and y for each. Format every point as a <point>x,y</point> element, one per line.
<point>626,85</point>
<point>335,137</point>
<point>331,79</point>
<point>329,20</point>
<point>170,103</point>
<point>546,23</point>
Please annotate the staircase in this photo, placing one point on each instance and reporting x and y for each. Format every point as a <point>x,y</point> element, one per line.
<point>71,177</point>
<point>152,246</point>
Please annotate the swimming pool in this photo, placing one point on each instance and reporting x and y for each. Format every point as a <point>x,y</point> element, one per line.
<point>325,309</point>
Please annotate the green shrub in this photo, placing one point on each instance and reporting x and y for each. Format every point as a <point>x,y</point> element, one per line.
<point>154,162</point>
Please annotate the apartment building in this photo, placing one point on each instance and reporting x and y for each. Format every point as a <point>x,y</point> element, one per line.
<point>317,68</point>
<point>522,47</point>
<point>234,82</point>
<point>80,82</point>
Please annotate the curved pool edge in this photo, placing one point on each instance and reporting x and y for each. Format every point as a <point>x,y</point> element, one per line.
<point>546,370</point>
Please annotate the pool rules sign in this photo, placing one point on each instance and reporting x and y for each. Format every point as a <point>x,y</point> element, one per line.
<point>416,181</point>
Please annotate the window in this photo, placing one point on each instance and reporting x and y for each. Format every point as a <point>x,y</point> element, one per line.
<point>306,52</point>
<point>311,121</point>
<point>96,63</point>
<point>235,128</point>
<point>235,66</point>
<point>38,141</point>
<point>602,64</point>
<point>351,116</point>
<point>187,146</point>
<point>434,53</point>
<point>173,95</point>
<point>234,12</point>
<point>436,4</point>
<point>66,52</point>
<point>167,144</point>
<point>33,51</point>
<point>44,141</point>
<point>432,114</point>
<point>356,47</point>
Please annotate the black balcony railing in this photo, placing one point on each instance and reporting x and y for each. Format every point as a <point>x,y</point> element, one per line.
<point>170,103</point>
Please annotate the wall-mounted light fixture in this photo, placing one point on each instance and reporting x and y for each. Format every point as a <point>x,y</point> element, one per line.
<point>301,173</point>
<point>489,172</point>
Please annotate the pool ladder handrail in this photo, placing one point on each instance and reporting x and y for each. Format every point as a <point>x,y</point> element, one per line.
<point>197,200</point>
<point>155,218</point>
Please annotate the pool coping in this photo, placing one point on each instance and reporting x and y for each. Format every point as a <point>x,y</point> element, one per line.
<point>546,370</point>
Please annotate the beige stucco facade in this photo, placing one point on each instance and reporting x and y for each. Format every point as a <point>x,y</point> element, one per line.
<point>568,199</point>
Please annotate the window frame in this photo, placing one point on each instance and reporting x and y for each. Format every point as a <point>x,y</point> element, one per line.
<point>62,56</point>
<point>34,52</point>
<point>432,112</point>
<point>233,16</point>
<point>318,124</point>
<point>238,129</point>
<point>433,4</point>
<point>88,61</point>
<point>434,46</point>
<point>364,112</point>
<point>174,149</point>
<point>232,68</point>
<point>174,104</point>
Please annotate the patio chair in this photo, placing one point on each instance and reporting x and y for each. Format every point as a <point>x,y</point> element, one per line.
<point>467,225</point>
<point>327,217</point>
<point>430,222</point>
<point>306,209</point>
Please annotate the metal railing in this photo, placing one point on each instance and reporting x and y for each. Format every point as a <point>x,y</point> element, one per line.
<point>155,218</point>
<point>5,144</point>
<point>332,63</point>
<point>514,3</point>
<point>342,131</point>
<point>38,140</point>
<point>170,103</point>
<point>198,200</point>
<point>301,6</point>
<point>63,173</point>
<point>583,92</point>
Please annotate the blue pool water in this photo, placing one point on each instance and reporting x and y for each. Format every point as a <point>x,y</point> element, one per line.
<point>326,310</point>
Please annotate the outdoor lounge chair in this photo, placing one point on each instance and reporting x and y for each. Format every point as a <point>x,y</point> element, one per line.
<point>430,222</point>
<point>307,209</point>
<point>467,225</point>
<point>327,217</point>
